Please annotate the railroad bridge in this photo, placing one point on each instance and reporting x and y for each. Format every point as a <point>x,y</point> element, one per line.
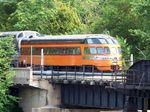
<point>121,89</point>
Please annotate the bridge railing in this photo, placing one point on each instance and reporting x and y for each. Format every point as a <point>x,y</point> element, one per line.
<point>87,74</point>
<point>90,75</point>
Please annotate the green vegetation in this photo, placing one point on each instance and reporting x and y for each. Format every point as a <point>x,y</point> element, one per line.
<point>127,20</point>
<point>6,52</point>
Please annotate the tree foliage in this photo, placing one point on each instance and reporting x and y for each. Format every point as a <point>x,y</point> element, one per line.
<point>6,52</point>
<point>6,9</point>
<point>127,19</point>
<point>46,16</point>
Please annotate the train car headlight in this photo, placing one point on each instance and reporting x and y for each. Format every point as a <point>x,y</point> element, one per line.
<point>115,61</point>
<point>115,65</point>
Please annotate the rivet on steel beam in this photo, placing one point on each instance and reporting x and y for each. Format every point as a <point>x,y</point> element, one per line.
<point>66,81</point>
<point>74,81</point>
<point>83,82</point>
<point>92,83</point>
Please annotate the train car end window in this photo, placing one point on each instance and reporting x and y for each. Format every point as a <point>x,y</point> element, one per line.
<point>119,50</point>
<point>110,41</point>
<point>113,50</point>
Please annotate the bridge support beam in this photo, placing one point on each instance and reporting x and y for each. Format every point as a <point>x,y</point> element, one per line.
<point>145,105</point>
<point>130,104</point>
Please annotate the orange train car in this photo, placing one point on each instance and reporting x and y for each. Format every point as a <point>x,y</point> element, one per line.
<point>92,50</point>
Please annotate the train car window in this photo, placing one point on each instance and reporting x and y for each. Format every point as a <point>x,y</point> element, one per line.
<point>70,50</point>
<point>100,50</point>
<point>60,50</point>
<point>35,51</point>
<point>46,51</point>
<point>113,50</point>
<point>54,50</point>
<point>25,51</point>
<point>57,50</point>
<point>110,41</point>
<point>119,50</point>
<point>20,35</point>
<point>38,51</point>
<point>29,51</point>
<point>92,41</point>
<point>106,50</point>
<point>86,50</point>
<point>77,51</point>
<point>103,41</point>
<point>89,41</point>
<point>74,51</point>
<point>91,50</point>
<point>22,51</point>
<point>95,41</point>
<point>65,50</point>
<point>50,50</point>
<point>115,41</point>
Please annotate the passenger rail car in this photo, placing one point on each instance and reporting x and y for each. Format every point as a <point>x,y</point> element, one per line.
<point>95,50</point>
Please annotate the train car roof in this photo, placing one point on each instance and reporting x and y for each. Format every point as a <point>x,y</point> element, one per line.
<point>13,32</point>
<point>9,33</point>
<point>67,37</point>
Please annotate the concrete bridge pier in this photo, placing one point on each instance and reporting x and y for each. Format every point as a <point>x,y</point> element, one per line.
<point>34,91</point>
<point>33,97</point>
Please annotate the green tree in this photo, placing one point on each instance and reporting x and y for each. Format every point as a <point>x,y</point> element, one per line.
<point>87,11</point>
<point>7,7</point>
<point>127,19</point>
<point>6,51</point>
<point>142,33</point>
<point>46,16</point>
